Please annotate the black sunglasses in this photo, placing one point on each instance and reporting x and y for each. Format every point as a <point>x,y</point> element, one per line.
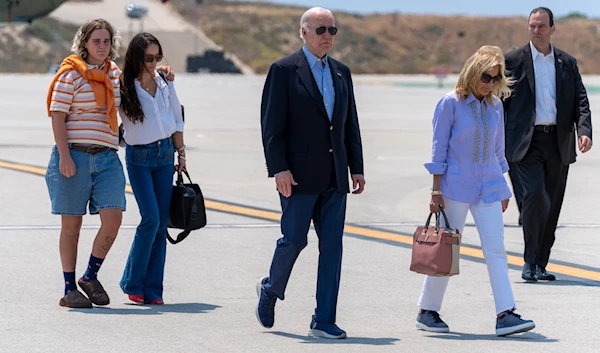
<point>485,78</point>
<point>321,30</point>
<point>150,58</point>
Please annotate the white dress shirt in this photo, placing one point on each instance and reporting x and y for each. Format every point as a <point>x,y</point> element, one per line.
<point>545,86</point>
<point>162,114</point>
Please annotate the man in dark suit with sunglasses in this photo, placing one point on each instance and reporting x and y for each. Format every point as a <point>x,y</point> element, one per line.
<point>311,140</point>
<point>548,107</point>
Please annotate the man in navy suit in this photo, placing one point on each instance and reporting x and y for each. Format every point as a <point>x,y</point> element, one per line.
<point>311,139</point>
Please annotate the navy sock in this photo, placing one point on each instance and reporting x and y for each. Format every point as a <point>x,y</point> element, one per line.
<point>69,281</point>
<point>92,270</point>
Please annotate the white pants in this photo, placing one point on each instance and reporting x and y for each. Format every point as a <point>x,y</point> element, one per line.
<point>490,226</point>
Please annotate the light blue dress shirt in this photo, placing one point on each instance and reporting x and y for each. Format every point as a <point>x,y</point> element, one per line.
<point>323,78</point>
<point>468,149</point>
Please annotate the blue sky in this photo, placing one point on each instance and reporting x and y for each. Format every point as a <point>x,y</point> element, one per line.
<point>450,7</point>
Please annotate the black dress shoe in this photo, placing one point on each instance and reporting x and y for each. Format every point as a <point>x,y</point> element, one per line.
<point>529,273</point>
<point>543,275</point>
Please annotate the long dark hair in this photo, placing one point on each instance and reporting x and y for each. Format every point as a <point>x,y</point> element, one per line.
<point>132,69</point>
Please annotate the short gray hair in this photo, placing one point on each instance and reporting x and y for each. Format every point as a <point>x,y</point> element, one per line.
<point>306,17</point>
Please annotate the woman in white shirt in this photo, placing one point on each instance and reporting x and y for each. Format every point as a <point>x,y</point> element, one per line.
<point>153,130</point>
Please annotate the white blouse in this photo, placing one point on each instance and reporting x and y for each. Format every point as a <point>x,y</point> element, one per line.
<point>162,114</point>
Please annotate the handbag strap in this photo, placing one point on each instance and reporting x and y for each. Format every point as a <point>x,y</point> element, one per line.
<point>437,218</point>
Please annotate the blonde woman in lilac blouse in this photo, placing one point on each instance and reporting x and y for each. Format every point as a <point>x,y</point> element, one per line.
<point>467,165</point>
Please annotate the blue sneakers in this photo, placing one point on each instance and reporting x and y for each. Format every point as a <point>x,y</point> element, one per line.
<point>510,323</point>
<point>430,321</point>
<point>265,310</point>
<point>319,329</point>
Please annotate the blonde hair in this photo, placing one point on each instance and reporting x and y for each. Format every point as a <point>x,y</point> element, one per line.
<point>485,58</point>
<point>85,32</point>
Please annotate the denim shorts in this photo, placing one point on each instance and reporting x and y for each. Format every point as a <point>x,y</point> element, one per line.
<point>98,181</point>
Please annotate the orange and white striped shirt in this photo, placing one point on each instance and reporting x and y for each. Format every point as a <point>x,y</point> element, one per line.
<point>87,123</point>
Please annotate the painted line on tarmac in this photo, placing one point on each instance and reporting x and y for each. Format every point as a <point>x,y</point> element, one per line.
<point>131,226</point>
<point>571,270</point>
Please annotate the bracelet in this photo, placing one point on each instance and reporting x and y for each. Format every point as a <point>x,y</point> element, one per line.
<point>180,149</point>
<point>182,157</point>
<point>436,192</point>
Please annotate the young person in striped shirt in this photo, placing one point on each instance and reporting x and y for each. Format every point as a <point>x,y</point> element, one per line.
<point>153,130</point>
<point>84,167</point>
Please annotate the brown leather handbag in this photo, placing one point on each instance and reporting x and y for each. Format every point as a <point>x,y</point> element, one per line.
<point>436,250</point>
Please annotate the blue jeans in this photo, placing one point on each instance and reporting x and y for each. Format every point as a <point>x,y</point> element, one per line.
<point>150,169</point>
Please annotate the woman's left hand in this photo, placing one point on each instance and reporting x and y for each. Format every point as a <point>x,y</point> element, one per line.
<point>504,205</point>
<point>180,166</point>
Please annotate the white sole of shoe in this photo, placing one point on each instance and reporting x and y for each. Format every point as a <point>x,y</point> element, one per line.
<point>258,289</point>
<point>424,327</point>
<point>515,329</point>
<point>322,334</point>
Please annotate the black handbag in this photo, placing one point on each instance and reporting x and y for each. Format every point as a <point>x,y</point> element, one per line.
<point>187,208</point>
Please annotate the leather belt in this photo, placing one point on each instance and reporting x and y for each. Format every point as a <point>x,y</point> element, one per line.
<point>90,150</point>
<point>545,128</point>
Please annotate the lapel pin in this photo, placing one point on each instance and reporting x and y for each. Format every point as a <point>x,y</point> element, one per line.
<point>339,74</point>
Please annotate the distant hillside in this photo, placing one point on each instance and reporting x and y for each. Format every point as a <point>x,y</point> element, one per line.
<point>259,33</point>
<point>35,47</point>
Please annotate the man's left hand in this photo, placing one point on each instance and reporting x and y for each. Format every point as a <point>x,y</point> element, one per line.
<point>170,73</point>
<point>358,183</point>
<point>585,144</point>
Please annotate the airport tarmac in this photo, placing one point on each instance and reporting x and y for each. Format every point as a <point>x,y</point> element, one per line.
<point>210,277</point>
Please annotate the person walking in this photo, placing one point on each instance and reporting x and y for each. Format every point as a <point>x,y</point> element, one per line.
<point>84,169</point>
<point>548,108</point>
<point>467,165</point>
<point>311,141</point>
<point>153,131</point>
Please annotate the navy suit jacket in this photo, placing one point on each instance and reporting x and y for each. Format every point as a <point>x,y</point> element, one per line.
<point>296,132</point>
<point>572,106</point>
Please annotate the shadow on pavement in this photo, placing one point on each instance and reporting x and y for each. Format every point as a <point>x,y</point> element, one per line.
<point>560,282</point>
<point>526,337</point>
<point>141,309</point>
<point>386,341</point>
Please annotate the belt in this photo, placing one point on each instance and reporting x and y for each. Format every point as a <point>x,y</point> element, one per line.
<point>90,150</point>
<point>545,128</point>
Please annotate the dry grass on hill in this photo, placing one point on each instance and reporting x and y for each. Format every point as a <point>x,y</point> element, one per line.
<point>259,33</point>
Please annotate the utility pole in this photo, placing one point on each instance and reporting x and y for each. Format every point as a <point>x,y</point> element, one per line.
<point>459,64</point>
<point>9,6</point>
<point>195,4</point>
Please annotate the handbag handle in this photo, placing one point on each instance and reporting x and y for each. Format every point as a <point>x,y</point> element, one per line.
<point>180,176</point>
<point>437,218</point>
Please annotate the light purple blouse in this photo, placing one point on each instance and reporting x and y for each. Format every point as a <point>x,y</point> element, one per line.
<point>468,149</point>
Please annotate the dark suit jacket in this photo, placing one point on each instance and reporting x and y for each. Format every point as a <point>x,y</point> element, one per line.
<point>572,106</point>
<point>296,131</point>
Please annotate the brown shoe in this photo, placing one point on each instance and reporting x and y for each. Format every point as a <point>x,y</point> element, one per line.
<point>94,291</point>
<point>75,299</point>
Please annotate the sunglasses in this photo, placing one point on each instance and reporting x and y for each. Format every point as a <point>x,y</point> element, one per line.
<point>321,30</point>
<point>151,58</point>
<point>485,78</point>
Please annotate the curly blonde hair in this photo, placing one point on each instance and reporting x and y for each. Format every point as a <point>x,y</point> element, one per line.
<point>485,58</point>
<point>85,32</point>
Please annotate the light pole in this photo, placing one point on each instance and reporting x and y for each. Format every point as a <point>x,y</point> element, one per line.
<point>196,22</point>
<point>460,35</point>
